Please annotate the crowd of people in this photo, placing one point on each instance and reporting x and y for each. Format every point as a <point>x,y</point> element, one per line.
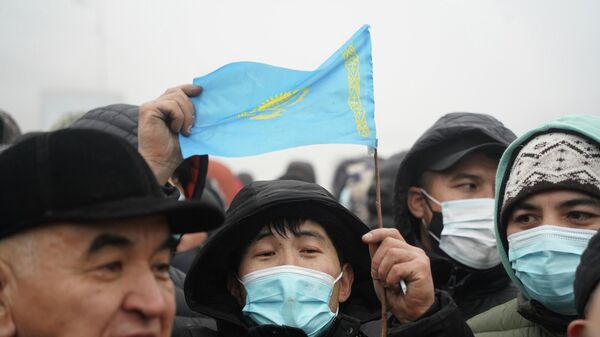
<point>108,231</point>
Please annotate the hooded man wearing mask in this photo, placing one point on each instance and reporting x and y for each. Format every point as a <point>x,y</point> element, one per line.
<point>547,210</point>
<point>443,203</point>
<point>291,261</point>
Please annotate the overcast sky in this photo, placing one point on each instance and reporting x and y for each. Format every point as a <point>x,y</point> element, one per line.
<point>523,62</point>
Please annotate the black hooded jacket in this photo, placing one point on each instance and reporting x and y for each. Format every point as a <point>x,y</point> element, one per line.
<point>206,287</point>
<point>474,291</point>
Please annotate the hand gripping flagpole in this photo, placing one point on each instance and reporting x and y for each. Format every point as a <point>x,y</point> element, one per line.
<point>384,322</point>
<point>384,325</point>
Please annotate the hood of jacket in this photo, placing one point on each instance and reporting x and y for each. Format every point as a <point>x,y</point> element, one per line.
<point>584,125</point>
<point>206,287</point>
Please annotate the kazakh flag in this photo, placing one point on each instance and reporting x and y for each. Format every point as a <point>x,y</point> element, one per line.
<point>250,108</point>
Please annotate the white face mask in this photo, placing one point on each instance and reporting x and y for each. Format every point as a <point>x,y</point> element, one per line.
<point>468,232</point>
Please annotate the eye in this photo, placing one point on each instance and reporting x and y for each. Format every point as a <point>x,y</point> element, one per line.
<point>161,268</point>
<point>579,216</point>
<point>115,266</point>
<point>470,187</point>
<point>266,253</point>
<point>310,250</point>
<point>525,219</point>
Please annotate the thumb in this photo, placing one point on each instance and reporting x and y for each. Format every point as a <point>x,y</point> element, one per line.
<point>191,90</point>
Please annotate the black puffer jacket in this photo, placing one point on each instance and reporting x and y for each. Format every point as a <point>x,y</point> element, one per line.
<point>474,291</point>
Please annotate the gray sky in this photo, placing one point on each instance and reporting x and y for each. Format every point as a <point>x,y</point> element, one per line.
<point>523,62</point>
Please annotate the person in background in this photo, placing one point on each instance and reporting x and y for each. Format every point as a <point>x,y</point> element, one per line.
<point>299,170</point>
<point>9,130</point>
<point>444,204</point>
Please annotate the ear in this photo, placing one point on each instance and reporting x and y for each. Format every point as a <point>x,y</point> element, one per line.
<point>236,290</point>
<point>346,283</point>
<point>416,204</point>
<point>576,328</point>
<point>7,324</point>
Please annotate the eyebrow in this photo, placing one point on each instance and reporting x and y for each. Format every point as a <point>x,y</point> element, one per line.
<point>312,234</point>
<point>305,233</point>
<point>580,202</point>
<point>524,206</point>
<point>106,240</point>
<point>462,175</point>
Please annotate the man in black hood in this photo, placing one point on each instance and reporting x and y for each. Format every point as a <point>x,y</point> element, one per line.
<point>291,261</point>
<point>444,192</point>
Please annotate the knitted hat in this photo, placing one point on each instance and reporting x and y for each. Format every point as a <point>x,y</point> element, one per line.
<point>553,161</point>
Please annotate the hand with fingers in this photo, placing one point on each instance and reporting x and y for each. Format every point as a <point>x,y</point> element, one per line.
<point>393,260</point>
<point>160,123</point>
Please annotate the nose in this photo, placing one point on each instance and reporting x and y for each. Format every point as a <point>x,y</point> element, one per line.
<point>289,257</point>
<point>149,296</point>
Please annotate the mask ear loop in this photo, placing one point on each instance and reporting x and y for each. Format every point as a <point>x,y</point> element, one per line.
<point>337,310</point>
<point>427,196</point>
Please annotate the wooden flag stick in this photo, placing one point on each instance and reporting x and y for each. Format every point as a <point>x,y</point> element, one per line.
<point>384,325</point>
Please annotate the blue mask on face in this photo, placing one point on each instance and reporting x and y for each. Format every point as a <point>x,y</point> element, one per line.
<point>292,296</point>
<point>544,259</point>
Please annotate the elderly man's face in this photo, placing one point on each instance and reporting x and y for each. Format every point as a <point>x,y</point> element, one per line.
<point>103,279</point>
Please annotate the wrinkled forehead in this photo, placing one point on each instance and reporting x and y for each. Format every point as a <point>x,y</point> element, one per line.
<point>89,237</point>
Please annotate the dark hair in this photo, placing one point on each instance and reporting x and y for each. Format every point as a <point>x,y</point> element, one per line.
<point>282,226</point>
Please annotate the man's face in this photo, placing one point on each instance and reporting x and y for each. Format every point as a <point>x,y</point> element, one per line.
<point>310,248</point>
<point>472,177</point>
<point>560,208</point>
<point>102,279</point>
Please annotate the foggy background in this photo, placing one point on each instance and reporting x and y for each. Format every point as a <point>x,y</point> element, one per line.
<point>523,62</point>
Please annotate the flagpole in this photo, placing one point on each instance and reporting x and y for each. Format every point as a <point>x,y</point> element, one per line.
<point>384,325</point>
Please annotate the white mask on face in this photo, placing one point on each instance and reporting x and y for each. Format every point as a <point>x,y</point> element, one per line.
<point>468,234</point>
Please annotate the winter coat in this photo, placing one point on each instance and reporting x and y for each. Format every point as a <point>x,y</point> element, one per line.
<point>343,326</point>
<point>509,320</point>
<point>523,316</point>
<point>474,291</point>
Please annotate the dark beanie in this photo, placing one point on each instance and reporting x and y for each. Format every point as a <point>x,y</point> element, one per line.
<point>587,274</point>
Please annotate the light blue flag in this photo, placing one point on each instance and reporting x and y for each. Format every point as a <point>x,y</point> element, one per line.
<point>250,108</point>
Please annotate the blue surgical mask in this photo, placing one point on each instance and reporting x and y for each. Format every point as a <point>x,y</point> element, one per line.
<point>544,259</point>
<point>291,296</point>
<point>468,234</point>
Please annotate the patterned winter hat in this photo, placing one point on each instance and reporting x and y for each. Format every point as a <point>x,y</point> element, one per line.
<point>553,161</point>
